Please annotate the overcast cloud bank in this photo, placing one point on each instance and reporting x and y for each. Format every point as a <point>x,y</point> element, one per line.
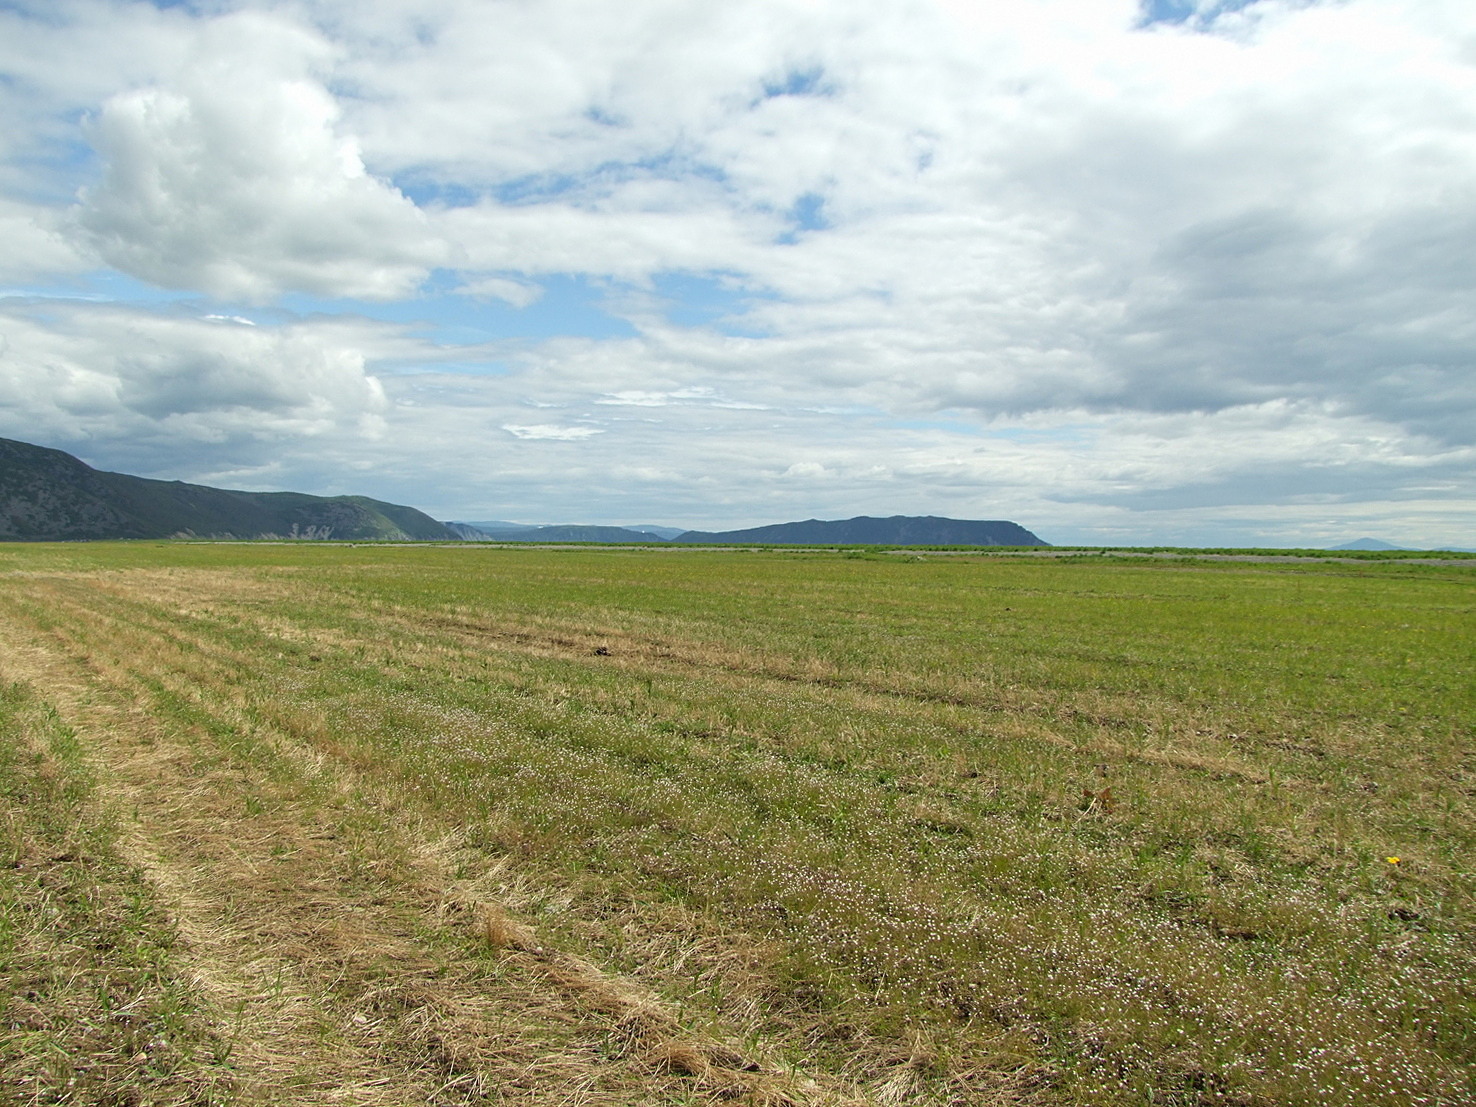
<point>1197,279</point>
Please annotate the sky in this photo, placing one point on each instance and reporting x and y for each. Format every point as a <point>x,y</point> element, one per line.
<point>1175,272</point>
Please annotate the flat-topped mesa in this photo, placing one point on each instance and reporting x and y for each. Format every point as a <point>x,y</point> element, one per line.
<point>898,530</point>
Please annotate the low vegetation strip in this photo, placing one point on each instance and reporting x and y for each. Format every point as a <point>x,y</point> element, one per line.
<point>806,827</point>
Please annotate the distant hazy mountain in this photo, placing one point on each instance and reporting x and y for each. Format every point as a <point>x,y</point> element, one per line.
<point>486,526</point>
<point>1368,544</point>
<point>50,495</point>
<point>516,533</point>
<point>500,531</point>
<point>467,531</point>
<point>659,531</point>
<point>899,530</point>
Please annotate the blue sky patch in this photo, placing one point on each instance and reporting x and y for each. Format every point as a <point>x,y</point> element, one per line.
<point>715,301</point>
<point>105,286</point>
<point>807,214</point>
<point>538,188</point>
<point>798,82</point>
<point>426,192</point>
<point>1181,11</point>
<point>952,426</point>
<point>569,305</point>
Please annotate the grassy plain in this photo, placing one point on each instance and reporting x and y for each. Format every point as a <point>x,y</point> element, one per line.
<point>425,824</point>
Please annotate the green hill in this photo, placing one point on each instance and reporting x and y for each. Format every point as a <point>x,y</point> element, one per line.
<point>49,495</point>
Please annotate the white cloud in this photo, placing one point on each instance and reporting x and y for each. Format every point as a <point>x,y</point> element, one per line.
<point>517,293</point>
<point>77,371</point>
<point>234,179</point>
<point>564,238</point>
<point>635,397</point>
<point>707,397</point>
<point>550,432</point>
<point>36,243</point>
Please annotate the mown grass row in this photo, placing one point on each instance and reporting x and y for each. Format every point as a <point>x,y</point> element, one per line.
<point>93,1005</point>
<point>1123,832</point>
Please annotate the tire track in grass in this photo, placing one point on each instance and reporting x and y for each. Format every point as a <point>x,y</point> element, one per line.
<point>253,957</point>
<point>324,927</point>
<point>677,953</point>
<point>94,1007</point>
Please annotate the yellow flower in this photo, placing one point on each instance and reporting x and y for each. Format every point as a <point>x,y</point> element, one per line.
<point>1392,860</point>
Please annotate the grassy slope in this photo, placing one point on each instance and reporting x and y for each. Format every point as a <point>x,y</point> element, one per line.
<point>940,830</point>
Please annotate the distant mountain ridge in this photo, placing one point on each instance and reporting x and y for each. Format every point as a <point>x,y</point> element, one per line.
<point>477,532</point>
<point>864,530</point>
<point>897,530</point>
<point>1368,544</point>
<point>1378,545</point>
<point>49,495</point>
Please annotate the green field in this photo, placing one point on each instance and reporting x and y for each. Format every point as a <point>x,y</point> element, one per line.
<point>381,824</point>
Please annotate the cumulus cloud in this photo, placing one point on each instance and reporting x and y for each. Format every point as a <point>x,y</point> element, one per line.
<point>165,384</point>
<point>37,243</point>
<point>235,180</point>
